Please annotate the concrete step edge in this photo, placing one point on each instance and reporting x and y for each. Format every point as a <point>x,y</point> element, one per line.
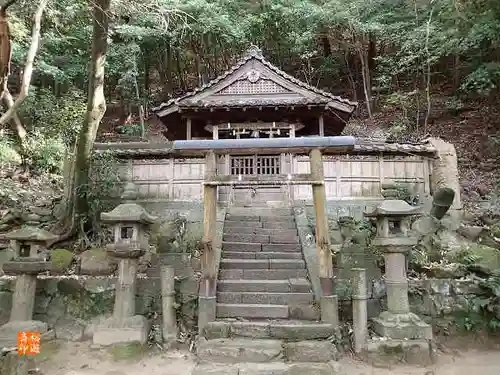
<point>276,253</point>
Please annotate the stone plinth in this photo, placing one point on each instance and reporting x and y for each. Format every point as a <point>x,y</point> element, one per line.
<point>133,329</point>
<point>401,326</point>
<point>395,241</point>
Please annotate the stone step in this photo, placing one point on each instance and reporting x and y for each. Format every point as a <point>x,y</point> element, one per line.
<point>266,298</point>
<point>232,235</point>
<point>254,311</point>
<point>241,246</point>
<point>242,218</point>
<point>256,218</point>
<point>279,225</point>
<point>267,351</point>
<point>280,236</point>
<point>243,229</point>
<point>262,263</point>
<point>259,211</point>
<point>261,274</point>
<point>299,285</point>
<point>239,350</point>
<point>230,225</point>
<point>256,247</point>
<point>289,330</point>
<point>261,255</point>
<point>281,247</point>
<point>270,368</point>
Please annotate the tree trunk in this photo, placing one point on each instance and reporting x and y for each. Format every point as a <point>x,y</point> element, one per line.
<point>28,68</point>
<point>16,122</point>
<point>96,107</point>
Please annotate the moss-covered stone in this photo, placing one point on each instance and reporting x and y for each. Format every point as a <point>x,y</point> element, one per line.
<point>479,258</point>
<point>86,305</point>
<point>61,259</point>
<point>96,261</point>
<point>495,230</point>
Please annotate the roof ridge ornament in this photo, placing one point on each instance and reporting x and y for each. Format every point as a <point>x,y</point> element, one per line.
<point>254,51</point>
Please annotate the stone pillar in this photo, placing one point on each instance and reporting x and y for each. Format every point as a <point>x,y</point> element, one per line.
<point>359,309</point>
<point>124,326</point>
<point>396,281</point>
<point>15,364</point>
<point>23,301</point>
<point>125,289</point>
<point>445,172</point>
<point>168,302</point>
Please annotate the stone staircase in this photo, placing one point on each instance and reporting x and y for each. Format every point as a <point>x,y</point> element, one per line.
<point>267,321</point>
<point>262,272</point>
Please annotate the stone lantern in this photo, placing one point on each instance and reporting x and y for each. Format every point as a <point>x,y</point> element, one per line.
<point>394,239</point>
<point>28,242</point>
<point>26,265</point>
<point>130,222</point>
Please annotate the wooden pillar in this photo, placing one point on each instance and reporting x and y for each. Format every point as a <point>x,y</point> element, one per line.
<point>321,125</point>
<point>329,304</point>
<point>292,131</point>
<point>207,304</point>
<point>188,128</point>
<point>215,131</point>
<point>209,227</point>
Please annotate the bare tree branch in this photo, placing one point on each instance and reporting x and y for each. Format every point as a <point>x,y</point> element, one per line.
<point>28,68</point>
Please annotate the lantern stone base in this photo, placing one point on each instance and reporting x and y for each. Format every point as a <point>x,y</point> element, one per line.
<point>9,331</point>
<point>134,329</point>
<point>412,352</point>
<point>401,326</point>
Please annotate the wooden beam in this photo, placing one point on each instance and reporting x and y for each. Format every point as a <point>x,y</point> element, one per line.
<point>321,126</point>
<point>322,238</point>
<point>209,277</point>
<point>263,183</point>
<point>297,179</point>
<point>215,132</point>
<point>188,128</point>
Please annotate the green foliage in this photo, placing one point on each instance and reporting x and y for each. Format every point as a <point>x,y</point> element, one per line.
<point>9,157</point>
<point>103,187</point>
<point>54,117</point>
<point>43,153</point>
<point>482,310</point>
<point>61,259</point>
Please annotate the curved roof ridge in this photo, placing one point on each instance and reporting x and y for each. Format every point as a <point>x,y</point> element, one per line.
<point>253,52</point>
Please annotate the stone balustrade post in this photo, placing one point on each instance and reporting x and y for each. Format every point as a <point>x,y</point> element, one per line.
<point>125,289</point>
<point>168,303</point>
<point>359,309</point>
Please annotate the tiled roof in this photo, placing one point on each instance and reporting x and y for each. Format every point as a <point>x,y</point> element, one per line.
<point>255,53</point>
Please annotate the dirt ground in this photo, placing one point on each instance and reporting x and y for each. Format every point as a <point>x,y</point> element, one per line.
<point>79,359</point>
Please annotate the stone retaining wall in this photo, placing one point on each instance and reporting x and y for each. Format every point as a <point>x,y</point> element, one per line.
<point>431,298</point>
<point>73,305</point>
